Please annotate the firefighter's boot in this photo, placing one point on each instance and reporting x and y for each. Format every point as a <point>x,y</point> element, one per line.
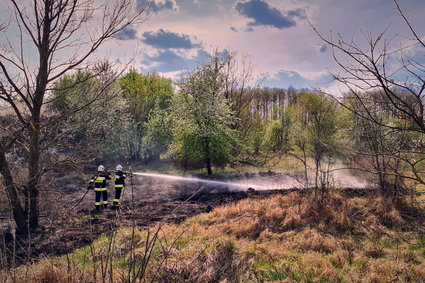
<point>97,210</point>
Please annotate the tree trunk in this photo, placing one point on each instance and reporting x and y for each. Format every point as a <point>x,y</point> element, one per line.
<point>34,127</point>
<point>207,156</point>
<point>316,182</point>
<point>139,142</point>
<point>208,163</point>
<point>33,173</point>
<point>11,191</point>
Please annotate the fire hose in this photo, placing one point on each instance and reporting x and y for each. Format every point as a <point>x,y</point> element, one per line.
<point>88,189</point>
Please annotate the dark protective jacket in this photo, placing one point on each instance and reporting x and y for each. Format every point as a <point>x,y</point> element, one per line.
<point>120,178</point>
<point>99,181</point>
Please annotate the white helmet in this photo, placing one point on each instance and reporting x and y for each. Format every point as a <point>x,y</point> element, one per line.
<point>101,168</point>
<point>118,168</point>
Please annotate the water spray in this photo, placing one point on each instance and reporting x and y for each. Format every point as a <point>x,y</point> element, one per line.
<point>241,186</point>
<point>279,182</point>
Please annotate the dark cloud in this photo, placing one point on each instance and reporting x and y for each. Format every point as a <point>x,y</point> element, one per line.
<point>156,7</point>
<point>163,56</point>
<point>224,54</point>
<point>170,61</point>
<point>263,14</point>
<point>323,49</point>
<point>165,61</point>
<point>250,29</point>
<point>233,29</point>
<point>163,39</point>
<point>126,34</point>
<point>166,5</point>
<point>203,57</point>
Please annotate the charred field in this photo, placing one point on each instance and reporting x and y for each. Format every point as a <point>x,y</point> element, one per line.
<point>67,222</point>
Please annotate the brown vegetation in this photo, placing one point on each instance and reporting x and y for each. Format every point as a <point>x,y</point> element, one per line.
<point>292,238</point>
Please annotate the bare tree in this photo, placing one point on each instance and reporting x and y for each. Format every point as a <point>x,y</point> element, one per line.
<point>386,88</point>
<point>237,72</point>
<point>54,37</point>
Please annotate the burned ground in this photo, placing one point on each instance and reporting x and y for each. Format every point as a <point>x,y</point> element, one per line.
<point>146,201</point>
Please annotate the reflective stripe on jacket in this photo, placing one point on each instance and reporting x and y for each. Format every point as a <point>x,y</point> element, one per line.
<point>120,178</point>
<point>100,180</point>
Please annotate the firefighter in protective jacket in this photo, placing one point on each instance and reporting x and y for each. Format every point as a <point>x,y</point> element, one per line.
<point>99,183</point>
<point>119,185</point>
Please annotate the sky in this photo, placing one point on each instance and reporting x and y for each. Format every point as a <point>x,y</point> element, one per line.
<point>274,34</point>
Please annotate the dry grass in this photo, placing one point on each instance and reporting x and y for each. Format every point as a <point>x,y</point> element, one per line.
<point>289,238</point>
<point>297,238</point>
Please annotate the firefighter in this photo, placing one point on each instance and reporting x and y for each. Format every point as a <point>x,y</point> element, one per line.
<point>119,185</point>
<point>99,183</point>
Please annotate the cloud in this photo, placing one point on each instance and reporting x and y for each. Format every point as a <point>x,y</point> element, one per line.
<point>163,39</point>
<point>250,29</point>
<point>158,5</point>
<point>233,29</point>
<point>170,61</point>
<point>296,14</point>
<point>285,79</point>
<point>323,49</point>
<point>202,8</point>
<point>126,34</point>
<point>224,54</point>
<point>263,14</point>
<point>164,61</point>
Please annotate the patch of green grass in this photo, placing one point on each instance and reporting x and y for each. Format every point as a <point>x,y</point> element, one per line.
<point>360,264</point>
<point>182,242</point>
<point>387,244</point>
<point>82,259</point>
<point>296,274</point>
<point>421,241</point>
<point>278,274</point>
<point>420,244</point>
<point>271,271</point>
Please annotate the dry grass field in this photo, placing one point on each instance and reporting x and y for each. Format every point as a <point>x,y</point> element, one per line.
<point>284,238</point>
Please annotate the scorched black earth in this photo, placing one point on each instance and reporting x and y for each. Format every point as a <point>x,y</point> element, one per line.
<point>145,200</point>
